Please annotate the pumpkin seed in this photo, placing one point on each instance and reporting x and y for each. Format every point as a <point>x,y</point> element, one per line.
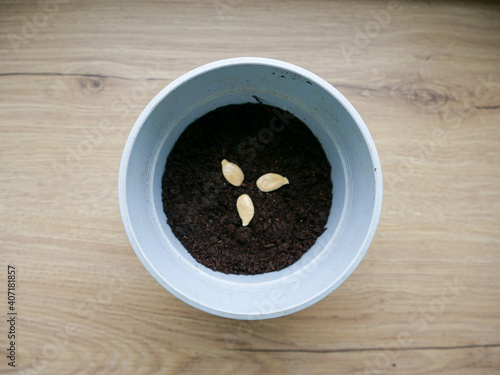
<point>233,174</point>
<point>245,208</point>
<point>271,181</point>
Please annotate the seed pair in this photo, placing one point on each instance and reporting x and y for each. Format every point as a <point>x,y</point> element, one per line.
<point>266,183</point>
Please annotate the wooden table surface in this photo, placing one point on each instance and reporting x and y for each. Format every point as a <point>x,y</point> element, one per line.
<point>425,76</point>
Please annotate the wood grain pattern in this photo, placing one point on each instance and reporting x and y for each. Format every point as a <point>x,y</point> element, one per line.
<point>425,300</point>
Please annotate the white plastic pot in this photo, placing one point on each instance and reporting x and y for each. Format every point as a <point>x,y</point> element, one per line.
<point>356,177</point>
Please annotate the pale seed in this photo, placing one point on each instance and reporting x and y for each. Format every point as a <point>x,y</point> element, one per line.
<point>244,205</point>
<point>233,174</point>
<point>271,181</point>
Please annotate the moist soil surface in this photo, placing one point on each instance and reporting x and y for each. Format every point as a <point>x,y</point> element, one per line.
<point>200,204</point>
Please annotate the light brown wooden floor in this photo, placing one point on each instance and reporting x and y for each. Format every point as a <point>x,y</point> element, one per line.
<point>426,298</point>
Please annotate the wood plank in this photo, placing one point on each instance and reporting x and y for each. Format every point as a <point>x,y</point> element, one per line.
<point>431,275</point>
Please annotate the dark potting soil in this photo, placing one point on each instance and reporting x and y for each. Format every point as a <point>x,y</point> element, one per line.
<point>200,204</point>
